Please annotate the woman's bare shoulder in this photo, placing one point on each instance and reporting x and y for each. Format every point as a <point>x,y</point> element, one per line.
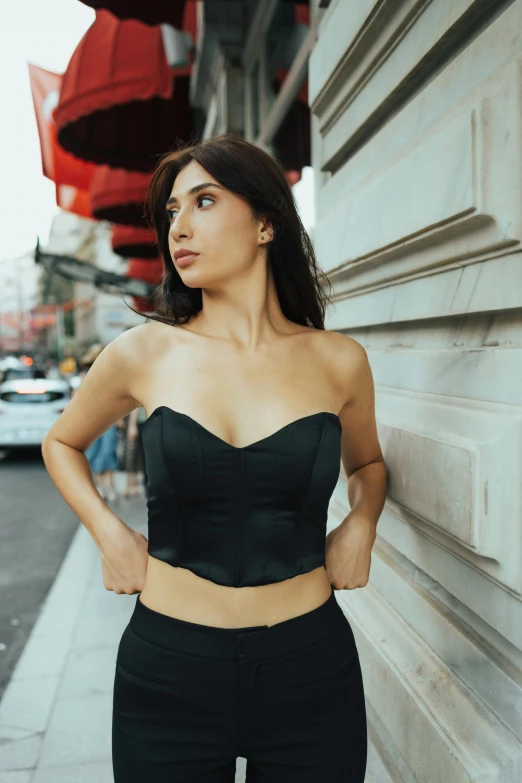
<point>344,360</point>
<point>340,349</point>
<point>137,346</point>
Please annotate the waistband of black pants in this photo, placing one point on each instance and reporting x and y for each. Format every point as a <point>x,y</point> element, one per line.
<point>225,643</point>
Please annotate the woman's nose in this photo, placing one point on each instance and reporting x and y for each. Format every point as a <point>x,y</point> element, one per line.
<point>180,227</point>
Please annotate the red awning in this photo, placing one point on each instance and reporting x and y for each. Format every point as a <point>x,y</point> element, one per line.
<point>74,200</point>
<point>150,272</point>
<point>119,195</point>
<point>147,11</point>
<point>302,13</point>
<point>120,103</point>
<point>132,241</point>
<point>292,143</point>
<point>152,11</point>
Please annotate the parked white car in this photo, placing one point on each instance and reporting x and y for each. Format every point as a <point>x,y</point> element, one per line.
<point>28,409</point>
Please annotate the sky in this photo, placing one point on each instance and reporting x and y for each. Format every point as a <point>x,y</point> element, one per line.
<point>44,32</point>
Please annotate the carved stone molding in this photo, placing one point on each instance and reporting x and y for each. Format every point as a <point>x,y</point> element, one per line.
<point>453,473</point>
<point>452,198</point>
<point>372,61</point>
<point>444,732</point>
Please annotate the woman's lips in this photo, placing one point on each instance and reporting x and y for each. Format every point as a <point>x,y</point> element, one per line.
<point>186,260</point>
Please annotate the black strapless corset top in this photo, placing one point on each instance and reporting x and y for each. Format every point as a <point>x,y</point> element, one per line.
<point>240,516</point>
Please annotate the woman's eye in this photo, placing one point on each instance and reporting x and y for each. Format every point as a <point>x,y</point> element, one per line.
<point>171,212</point>
<point>206,198</point>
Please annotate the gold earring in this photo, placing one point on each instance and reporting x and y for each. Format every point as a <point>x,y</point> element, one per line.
<point>262,236</point>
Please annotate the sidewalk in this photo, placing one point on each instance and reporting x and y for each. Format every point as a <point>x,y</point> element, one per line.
<point>55,715</point>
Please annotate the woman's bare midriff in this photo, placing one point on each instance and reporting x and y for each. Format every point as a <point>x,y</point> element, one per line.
<point>178,592</point>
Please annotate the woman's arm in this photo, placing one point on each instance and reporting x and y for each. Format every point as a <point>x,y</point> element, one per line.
<point>349,545</point>
<point>104,397</point>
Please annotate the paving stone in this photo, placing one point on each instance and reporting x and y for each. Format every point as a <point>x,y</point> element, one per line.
<point>44,657</point>
<point>20,754</point>
<point>97,630</point>
<point>79,731</point>
<point>97,772</point>
<point>16,776</point>
<point>88,672</point>
<point>27,703</point>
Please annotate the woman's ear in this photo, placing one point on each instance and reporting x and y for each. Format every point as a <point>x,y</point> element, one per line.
<point>266,233</point>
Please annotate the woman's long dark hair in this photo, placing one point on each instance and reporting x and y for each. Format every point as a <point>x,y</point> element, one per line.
<point>260,180</point>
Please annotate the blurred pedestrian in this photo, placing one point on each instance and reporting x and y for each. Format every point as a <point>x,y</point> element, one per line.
<point>101,454</point>
<point>133,461</point>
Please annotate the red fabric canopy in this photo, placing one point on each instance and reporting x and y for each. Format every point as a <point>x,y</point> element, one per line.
<point>120,103</point>
<point>132,241</point>
<point>119,195</point>
<point>152,11</point>
<point>292,143</point>
<point>302,13</point>
<point>151,272</point>
<point>147,11</point>
<point>74,200</point>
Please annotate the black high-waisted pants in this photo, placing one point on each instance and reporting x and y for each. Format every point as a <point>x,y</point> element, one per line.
<point>190,698</point>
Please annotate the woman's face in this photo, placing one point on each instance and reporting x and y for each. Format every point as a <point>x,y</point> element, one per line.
<point>213,222</point>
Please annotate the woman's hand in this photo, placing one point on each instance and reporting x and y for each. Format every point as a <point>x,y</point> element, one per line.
<point>348,551</point>
<point>124,561</point>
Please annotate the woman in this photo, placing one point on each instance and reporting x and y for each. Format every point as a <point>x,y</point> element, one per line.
<point>236,645</point>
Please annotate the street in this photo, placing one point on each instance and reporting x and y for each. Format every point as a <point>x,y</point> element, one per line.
<point>36,529</point>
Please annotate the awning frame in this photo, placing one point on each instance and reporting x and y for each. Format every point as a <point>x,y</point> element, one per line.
<point>81,271</point>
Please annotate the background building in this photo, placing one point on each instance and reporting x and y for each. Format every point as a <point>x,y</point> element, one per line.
<point>98,316</point>
<point>416,149</point>
<point>417,153</point>
<point>18,296</point>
